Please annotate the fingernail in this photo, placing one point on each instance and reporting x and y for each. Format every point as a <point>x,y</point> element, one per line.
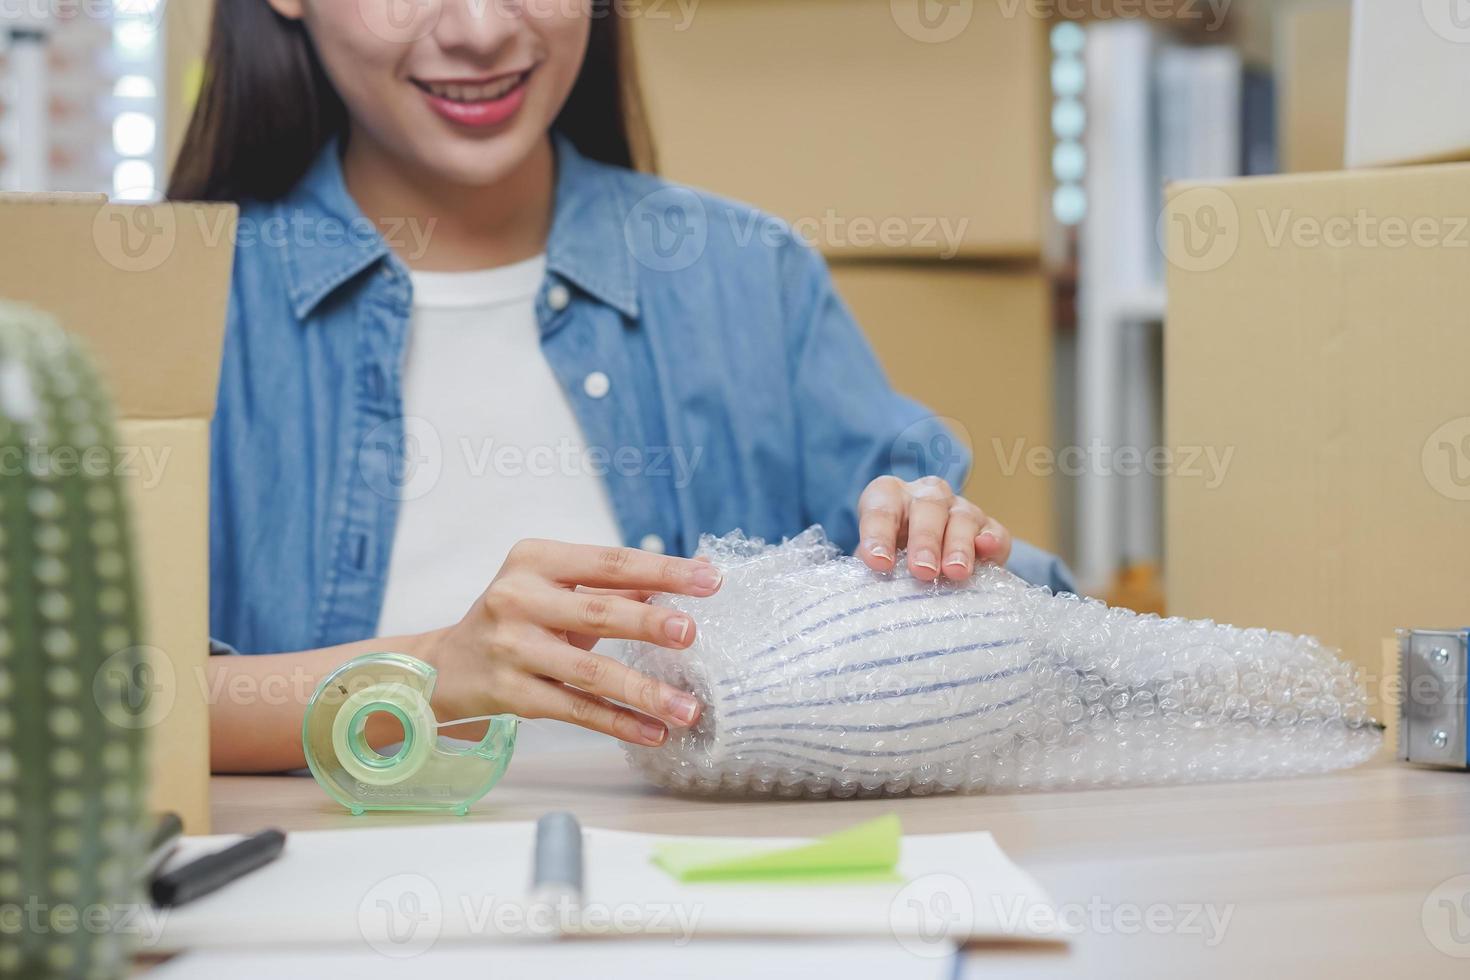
<point>684,707</point>
<point>926,560</point>
<point>707,577</point>
<point>677,628</point>
<point>878,551</point>
<point>653,732</point>
<point>957,560</point>
<point>988,533</point>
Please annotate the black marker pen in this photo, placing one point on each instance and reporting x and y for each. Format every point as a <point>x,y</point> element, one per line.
<point>214,871</point>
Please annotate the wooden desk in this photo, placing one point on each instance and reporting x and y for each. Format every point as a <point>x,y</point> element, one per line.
<point>1320,877</point>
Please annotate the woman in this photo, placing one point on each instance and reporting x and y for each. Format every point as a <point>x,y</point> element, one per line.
<point>468,344</point>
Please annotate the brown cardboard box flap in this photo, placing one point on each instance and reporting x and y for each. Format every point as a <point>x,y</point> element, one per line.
<point>147,287</point>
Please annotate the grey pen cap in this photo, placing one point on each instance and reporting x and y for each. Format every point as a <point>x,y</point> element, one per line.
<point>558,852</point>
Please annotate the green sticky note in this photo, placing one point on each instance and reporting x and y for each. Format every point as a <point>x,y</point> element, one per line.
<point>867,852</point>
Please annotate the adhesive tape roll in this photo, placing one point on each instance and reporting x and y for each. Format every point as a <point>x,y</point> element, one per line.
<point>360,760</point>
<point>425,772</point>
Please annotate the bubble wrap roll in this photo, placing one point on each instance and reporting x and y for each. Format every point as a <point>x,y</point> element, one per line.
<point>821,678</point>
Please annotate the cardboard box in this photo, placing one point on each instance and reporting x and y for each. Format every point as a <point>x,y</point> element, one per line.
<point>1409,75</point>
<point>147,288</point>
<point>974,344</point>
<point>873,130</point>
<point>1312,64</point>
<point>1318,340</point>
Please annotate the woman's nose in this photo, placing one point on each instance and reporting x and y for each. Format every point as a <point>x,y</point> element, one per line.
<point>481,29</point>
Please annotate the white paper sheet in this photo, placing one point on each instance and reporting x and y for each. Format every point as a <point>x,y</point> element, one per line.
<point>407,889</point>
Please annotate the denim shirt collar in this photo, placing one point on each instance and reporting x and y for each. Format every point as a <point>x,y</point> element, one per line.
<point>586,246</point>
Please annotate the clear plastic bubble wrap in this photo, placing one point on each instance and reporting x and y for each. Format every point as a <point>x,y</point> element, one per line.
<point>820,678</point>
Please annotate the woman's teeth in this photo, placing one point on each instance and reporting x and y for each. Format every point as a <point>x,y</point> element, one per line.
<point>488,92</point>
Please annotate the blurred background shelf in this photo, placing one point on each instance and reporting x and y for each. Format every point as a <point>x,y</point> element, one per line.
<point>80,98</point>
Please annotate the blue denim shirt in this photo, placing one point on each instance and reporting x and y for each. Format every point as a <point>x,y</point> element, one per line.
<point>735,391</point>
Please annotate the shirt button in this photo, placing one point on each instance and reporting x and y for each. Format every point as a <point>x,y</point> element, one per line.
<point>558,297</point>
<point>597,385</point>
<point>653,543</point>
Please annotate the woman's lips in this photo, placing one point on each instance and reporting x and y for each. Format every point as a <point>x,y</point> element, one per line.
<point>480,113</point>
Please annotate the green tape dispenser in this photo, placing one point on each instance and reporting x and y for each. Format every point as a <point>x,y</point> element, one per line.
<point>427,772</point>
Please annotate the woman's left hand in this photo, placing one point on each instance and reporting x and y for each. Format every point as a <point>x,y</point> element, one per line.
<point>931,520</point>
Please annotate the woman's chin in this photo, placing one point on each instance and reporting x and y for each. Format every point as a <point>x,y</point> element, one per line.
<point>476,162</point>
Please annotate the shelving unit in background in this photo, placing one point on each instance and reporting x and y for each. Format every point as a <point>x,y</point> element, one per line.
<point>1156,111</point>
<point>83,87</point>
<point>25,143</point>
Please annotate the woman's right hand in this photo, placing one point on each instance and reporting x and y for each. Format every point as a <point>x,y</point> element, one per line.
<point>525,648</point>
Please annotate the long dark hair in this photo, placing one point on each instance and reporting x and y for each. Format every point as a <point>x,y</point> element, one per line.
<point>266,108</point>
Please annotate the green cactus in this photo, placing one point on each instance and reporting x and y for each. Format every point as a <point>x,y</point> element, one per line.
<point>72,769</point>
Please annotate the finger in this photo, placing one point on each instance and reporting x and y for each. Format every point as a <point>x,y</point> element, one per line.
<point>542,698</point>
<point>930,500</point>
<point>993,544</point>
<point>583,641</point>
<point>616,568</point>
<point>965,522</point>
<point>615,617</point>
<point>606,678</point>
<point>637,595</point>
<point>881,511</point>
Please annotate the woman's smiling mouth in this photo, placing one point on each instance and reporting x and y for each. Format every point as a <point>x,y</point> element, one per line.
<point>475,102</point>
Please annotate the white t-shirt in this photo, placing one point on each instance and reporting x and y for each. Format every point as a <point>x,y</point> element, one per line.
<point>493,452</point>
